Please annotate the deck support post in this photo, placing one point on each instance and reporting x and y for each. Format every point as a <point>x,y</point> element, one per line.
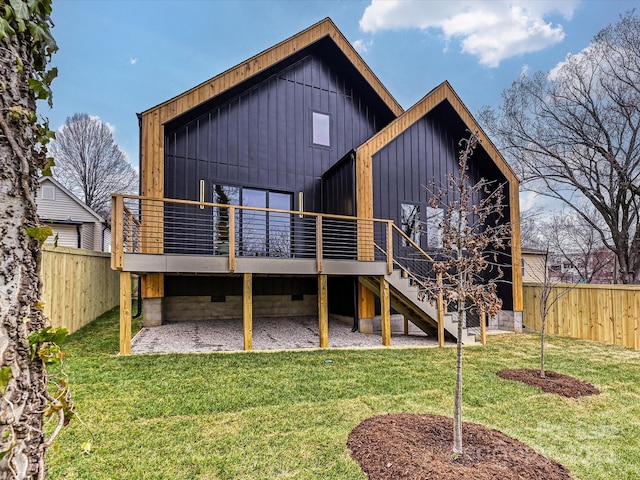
<point>440,306</point>
<point>323,311</point>
<point>385,312</point>
<point>483,327</point>
<point>125,313</point>
<point>247,310</point>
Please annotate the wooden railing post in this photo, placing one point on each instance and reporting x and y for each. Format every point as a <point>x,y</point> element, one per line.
<point>440,306</point>
<point>323,311</point>
<point>125,313</point>
<point>385,312</point>
<point>247,310</point>
<point>389,247</point>
<point>117,232</point>
<point>232,239</point>
<point>319,242</point>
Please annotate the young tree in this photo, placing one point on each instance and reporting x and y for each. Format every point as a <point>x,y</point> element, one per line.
<point>90,164</point>
<point>575,133</point>
<point>26,46</point>
<point>474,235</point>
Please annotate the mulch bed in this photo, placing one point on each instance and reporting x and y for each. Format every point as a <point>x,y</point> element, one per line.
<point>419,447</point>
<point>553,382</point>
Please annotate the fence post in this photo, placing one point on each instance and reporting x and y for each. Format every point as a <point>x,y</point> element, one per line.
<point>483,327</point>
<point>385,312</point>
<point>247,310</point>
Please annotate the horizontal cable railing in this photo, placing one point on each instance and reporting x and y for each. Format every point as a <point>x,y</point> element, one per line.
<point>181,227</point>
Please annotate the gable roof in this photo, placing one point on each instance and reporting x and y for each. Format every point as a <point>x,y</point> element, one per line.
<point>70,194</point>
<point>443,92</point>
<point>263,62</point>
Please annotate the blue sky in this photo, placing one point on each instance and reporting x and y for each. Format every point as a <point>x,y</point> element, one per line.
<point>120,57</point>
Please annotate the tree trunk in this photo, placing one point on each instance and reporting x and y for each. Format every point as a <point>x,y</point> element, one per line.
<point>457,402</point>
<point>22,403</point>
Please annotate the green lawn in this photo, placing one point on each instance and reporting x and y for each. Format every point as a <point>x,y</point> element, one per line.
<point>288,414</point>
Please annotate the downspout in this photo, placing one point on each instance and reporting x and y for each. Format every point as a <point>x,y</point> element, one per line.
<point>104,229</point>
<point>79,233</point>
<point>139,302</point>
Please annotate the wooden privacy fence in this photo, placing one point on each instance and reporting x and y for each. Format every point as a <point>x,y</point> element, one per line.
<point>78,286</point>
<point>604,313</point>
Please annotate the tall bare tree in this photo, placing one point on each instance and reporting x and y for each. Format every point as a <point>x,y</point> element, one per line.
<point>577,248</point>
<point>474,235</point>
<point>574,132</point>
<point>26,46</point>
<point>90,164</point>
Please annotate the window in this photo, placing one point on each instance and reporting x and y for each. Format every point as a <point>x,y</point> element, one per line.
<point>321,127</point>
<point>259,233</point>
<point>48,192</point>
<point>411,222</point>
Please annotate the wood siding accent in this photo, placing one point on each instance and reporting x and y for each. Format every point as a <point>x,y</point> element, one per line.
<point>78,286</point>
<point>365,158</point>
<point>602,313</point>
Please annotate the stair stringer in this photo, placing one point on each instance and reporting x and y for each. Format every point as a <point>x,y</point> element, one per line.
<point>405,298</point>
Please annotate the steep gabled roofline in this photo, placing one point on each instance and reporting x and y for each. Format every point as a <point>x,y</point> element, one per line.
<point>266,59</point>
<point>435,97</point>
<point>70,194</point>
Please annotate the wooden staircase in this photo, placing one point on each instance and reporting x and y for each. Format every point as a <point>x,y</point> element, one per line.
<point>406,298</point>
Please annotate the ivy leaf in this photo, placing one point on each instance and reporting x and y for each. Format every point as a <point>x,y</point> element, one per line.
<point>5,29</point>
<point>40,233</point>
<point>5,375</point>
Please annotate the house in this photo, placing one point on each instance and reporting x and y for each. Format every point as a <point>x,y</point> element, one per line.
<point>73,222</point>
<point>285,185</point>
<point>533,265</point>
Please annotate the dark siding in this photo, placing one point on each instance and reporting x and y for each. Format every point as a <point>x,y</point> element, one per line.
<point>262,136</point>
<point>338,187</point>
<point>223,286</point>
<point>420,159</point>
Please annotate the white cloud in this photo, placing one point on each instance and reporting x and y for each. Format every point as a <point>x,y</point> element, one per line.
<point>490,30</point>
<point>362,46</point>
<point>133,61</point>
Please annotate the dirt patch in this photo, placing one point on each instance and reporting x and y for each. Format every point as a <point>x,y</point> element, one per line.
<point>418,447</point>
<point>553,382</point>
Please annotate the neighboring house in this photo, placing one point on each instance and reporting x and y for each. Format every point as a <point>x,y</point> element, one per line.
<point>304,128</point>
<point>594,266</point>
<point>533,265</point>
<point>74,223</point>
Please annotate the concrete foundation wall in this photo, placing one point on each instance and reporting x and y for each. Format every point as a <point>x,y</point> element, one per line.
<point>177,309</point>
<point>506,320</point>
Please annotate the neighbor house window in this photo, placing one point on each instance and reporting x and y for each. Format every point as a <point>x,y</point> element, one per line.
<point>321,123</point>
<point>48,193</point>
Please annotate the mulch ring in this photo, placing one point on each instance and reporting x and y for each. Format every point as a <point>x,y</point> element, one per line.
<point>419,447</point>
<point>553,382</point>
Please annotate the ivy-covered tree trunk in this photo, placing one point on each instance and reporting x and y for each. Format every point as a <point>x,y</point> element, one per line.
<point>22,380</point>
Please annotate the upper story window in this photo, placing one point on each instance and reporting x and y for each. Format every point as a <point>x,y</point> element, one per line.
<point>321,127</point>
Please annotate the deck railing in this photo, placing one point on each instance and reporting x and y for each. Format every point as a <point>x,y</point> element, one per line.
<point>180,227</point>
